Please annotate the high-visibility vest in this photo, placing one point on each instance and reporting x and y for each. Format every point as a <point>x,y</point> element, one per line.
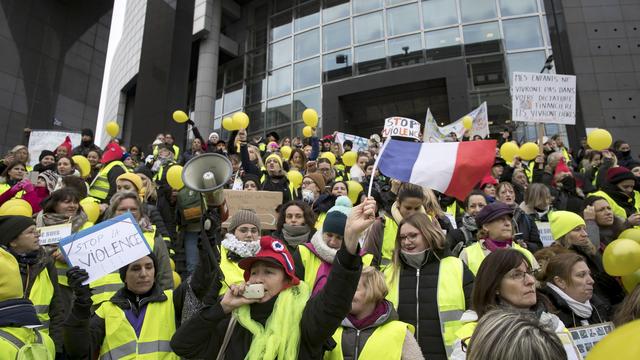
<point>475,255</point>
<point>176,152</point>
<point>617,209</point>
<point>312,263</point>
<point>120,341</point>
<point>450,297</point>
<point>5,187</point>
<point>385,342</point>
<point>12,339</point>
<point>40,295</point>
<point>320,221</point>
<point>62,267</point>
<point>233,274</point>
<point>465,332</point>
<point>99,188</point>
<point>104,288</point>
<point>389,238</point>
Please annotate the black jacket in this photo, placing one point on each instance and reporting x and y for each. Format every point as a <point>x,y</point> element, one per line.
<point>418,304</point>
<point>526,226</point>
<point>202,335</point>
<point>559,307</point>
<point>84,149</point>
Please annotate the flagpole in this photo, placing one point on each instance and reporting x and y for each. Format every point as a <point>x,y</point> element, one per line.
<point>375,164</point>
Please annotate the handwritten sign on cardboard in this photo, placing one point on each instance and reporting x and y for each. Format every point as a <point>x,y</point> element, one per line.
<point>264,203</point>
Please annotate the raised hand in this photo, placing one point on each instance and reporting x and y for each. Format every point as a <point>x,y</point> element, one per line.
<point>360,218</point>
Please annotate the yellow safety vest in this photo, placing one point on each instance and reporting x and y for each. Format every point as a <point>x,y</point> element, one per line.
<point>233,274</point>
<point>389,239</point>
<point>450,297</point>
<point>385,342</point>
<point>475,255</point>
<point>12,339</point>
<point>62,267</point>
<point>176,152</point>
<point>120,341</point>
<point>617,209</point>
<point>312,262</point>
<point>320,220</point>
<point>5,187</point>
<point>99,188</point>
<point>40,295</point>
<point>465,332</point>
<point>103,289</point>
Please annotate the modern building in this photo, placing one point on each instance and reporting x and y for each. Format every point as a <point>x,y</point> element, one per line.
<point>51,63</point>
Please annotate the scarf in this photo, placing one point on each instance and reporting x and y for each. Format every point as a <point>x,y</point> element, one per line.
<point>48,219</point>
<point>280,337</point>
<point>320,248</point>
<point>380,309</point>
<point>583,310</point>
<point>244,249</point>
<point>493,245</point>
<point>469,223</point>
<point>18,313</point>
<point>415,260</point>
<point>295,235</point>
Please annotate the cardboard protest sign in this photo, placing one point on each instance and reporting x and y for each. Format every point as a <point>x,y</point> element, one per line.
<point>106,247</point>
<point>543,98</point>
<point>544,228</point>
<point>359,143</point>
<point>400,126</point>
<point>264,203</point>
<point>586,337</point>
<point>50,235</point>
<point>49,140</point>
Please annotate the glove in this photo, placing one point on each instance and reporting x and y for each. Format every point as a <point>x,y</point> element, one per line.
<point>76,276</point>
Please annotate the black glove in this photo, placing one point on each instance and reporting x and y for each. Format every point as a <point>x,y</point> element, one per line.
<point>76,276</point>
<point>190,122</point>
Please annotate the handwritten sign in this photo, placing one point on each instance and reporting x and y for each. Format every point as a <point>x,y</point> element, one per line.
<point>543,98</point>
<point>48,140</point>
<point>50,235</point>
<point>544,228</point>
<point>264,203</point>
<point>399,126</point>
<point>106,247</point>
<point>586,337</point>
<point>359,143</point>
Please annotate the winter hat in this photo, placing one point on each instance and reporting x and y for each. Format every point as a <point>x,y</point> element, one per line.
<point>67,144</point>
<point>46,153</point>
<point>11,226</point>
<point>87,132</point>
<point>336,218</point>
<point>50,179</point>
<point>10,281</point>
<point>275,135</point>
<point>251,177</point>
<point>488,180</point>
<point>492,212</point>
<point>562,222</point>
<point>318,179</point>
<point>276,157</point>
<point>274,251</point>
<point>212,134</point>
<point>133,178</point>
<point>123,270</point>
<point>111,153</point>
<point>618,174</point>
<point>244,216</point>
<point>144,171</point>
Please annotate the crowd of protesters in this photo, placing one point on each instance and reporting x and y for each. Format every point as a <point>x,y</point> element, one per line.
<point>406,273</point>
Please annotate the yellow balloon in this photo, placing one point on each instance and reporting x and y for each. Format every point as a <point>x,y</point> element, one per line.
<point>621,343</point>
<point>508,151</point>
<point>177,280</point>
<point>621,257</point>
<point>349,158</point>
<point>82,164</point>
<point>173,264</point>
<point>467,122</point>
<point>631,281</point>
<point>310,117</point>
<point>227,124</point>
<point>112,128</point>
<point>631,234</point>
<point>180,116</point>
<point>174,177</point>
<point>599,139</point>
<point>307,131</point>
<point>286,152</point>
<point>17,207</point>
<point>241,120</point>
<point>91,208</point>
<point>295,178</point>
<point>355,188</point>
<point>330,156</point>
<point>528,151</point>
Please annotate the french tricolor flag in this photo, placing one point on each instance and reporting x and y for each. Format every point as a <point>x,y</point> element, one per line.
<point>453,168</point>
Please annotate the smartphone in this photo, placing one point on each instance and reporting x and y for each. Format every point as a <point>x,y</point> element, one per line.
<point>254,291</point>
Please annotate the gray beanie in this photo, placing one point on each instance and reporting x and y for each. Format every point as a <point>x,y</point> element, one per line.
<point>244,216</point>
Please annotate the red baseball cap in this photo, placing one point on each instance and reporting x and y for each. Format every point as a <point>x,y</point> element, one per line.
<point>274,251</point>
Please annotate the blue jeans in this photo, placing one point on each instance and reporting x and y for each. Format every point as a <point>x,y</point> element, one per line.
<point>191,250</point>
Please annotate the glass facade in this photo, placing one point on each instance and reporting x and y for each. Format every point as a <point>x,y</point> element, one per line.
<point>292,47</point>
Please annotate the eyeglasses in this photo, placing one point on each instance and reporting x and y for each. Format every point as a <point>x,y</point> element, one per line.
<point>520,275</point>
<point>244,230</point>
<point>307,183</point>
<point>410,237</point>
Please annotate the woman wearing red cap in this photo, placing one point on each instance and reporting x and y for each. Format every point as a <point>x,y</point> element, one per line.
<point>285,323</point>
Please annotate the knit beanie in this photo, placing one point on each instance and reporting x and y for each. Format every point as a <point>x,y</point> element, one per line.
<point>67,144</point>
<point>562,222</point>
<point>336,219</point>
<point>133,178</point>
<point>10,281</point>
<point>46,153</point>
<point>111,153</point>
<point>144,171</point>
<point>87,132</point>
<point>276,157</point>
<point>618,174</point>
<point>318,179</point>
<point>123,270</point>
<point>11,226</point>
<point>244,216</point>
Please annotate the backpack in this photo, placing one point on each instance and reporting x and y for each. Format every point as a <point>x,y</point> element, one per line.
<point>188,204</point>
<point>33,351</point>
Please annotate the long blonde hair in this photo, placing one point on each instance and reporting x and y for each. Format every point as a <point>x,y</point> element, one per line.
<point>431,203</point>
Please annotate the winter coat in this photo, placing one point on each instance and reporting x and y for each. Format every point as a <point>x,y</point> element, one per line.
<point>558,306</point>
<point>526,226</point>
<point>84,149</point>
<point>202,335</point>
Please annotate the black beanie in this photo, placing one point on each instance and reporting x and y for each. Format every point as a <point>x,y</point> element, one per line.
<point>87,132</point>
<point>11,226</point>
<point>144,171</point>
<point>46,153</point>
<point>123,270</point>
